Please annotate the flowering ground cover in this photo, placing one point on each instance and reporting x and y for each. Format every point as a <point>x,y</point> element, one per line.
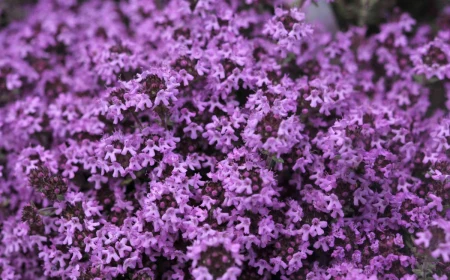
<point>222,139</point>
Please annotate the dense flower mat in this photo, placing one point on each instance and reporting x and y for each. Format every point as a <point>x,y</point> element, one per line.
<point>221,139</point>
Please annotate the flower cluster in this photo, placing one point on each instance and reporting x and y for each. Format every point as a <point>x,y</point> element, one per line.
<point>200,139</point>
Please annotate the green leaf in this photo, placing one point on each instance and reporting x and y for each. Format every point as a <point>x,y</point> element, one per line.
<point>276,159</point>
<point>126,181</point>
<point>419,78</point>
<point>5,203</point>
<point>48,211</point>
<point>432,80</point>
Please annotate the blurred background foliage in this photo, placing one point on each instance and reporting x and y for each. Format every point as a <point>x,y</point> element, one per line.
<point>374,12</point>
<point>11,10</point>
<point>347,12</point>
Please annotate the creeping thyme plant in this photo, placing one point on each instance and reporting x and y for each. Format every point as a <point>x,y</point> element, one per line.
<point>222,139</point>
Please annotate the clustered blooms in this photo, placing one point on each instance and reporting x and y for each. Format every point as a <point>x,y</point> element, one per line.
<point>201,139</point>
